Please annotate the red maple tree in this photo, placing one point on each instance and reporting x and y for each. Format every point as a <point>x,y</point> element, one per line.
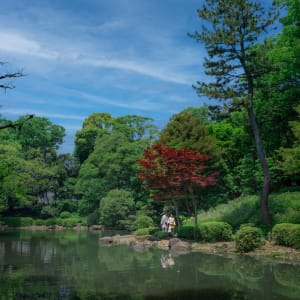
<point>173,173</point>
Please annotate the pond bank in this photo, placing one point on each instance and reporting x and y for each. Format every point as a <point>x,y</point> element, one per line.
<point>268,252</point>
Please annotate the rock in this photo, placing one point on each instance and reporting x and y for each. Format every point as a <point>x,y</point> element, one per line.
<point>177,246</point>
<point>124,239</point>
<point>96,227</point>
<point>106,240</point>
<point>138,247</point>
<point>173,241</point>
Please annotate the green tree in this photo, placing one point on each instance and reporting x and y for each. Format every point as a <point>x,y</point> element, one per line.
<point>40,133</point>
<point>23,181</point>
<point>187,129</point>
<point>112,163</point>
<point>291,156</point>
<point>230,31</point>
<point>115,207</point>
<point>96,124</point>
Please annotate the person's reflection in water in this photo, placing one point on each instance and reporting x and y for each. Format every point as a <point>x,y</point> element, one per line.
<point>167,261</point>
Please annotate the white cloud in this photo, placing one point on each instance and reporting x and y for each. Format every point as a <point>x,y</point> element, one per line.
<point>22,112</point>
<point>16,43</point>
<point>158,68</point>
<point>140,105</point>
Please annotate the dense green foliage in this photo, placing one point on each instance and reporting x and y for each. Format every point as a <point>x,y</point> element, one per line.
<point>99,182</point>
<point>248,238</point>
<point>115,208</point>
<point>190,232</point>
<point>206,232</point>
<point>215,231</point>
<point>287,234</point>
<point>284,207</point>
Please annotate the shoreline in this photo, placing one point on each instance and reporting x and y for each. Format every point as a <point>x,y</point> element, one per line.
<point>268,252</point>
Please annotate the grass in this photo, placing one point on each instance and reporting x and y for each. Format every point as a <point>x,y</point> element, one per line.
<point>284,208</point>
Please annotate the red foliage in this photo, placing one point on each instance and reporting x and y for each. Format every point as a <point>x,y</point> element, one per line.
<point>171,171</point>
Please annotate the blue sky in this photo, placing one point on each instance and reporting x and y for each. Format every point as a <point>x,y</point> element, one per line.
<point>84,56</point>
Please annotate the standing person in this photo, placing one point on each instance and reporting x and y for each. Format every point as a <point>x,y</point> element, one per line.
<point>164,222</point>
<point>172,223</point>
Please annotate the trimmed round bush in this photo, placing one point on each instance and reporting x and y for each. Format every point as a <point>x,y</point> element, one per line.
<point>189,232</point>
<point>287,234</point>
<point>50,222</point>
<point>65,214</point>
<point>142,231</point>
<point>248,238</point>
<point>215,231</point>
<point>39,222</point>
<point>143,221</point>
<point>70,222</point>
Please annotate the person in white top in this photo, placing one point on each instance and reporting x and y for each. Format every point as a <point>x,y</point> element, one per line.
<point>164,222</point>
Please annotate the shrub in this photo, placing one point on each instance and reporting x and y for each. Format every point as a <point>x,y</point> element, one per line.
<point>92,219</point>
<point>17,221</point>
<point>60,221</point>
<point>287,234</point>
<point>188,232</point>
<point>65,215</point>
<point>285,208</point>
<point>142,231</point>
<point>70,222</point>
<point>161,235</point>
<point>215,231</point>
<point>248,238</point>
<point>143,221</point>
<point>51,221</point>
<point>39,222</point>
<point>115,207</point>
<point>67,205</point>
<point>49,211</point>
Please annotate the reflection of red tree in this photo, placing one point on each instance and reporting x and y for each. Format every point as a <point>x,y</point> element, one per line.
<point>175,172</point>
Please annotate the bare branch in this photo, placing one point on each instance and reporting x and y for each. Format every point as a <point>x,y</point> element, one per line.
<point>16,125</point>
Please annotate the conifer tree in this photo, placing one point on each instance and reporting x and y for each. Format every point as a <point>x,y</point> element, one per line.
<point>230,31</point>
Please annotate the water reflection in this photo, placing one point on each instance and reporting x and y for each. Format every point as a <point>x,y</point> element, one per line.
<point>167,261</point>
<point>72,265</point>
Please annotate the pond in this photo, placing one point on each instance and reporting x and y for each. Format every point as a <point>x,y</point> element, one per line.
<point>72,265</point>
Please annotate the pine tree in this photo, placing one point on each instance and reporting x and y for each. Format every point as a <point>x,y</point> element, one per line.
<point>230,31</point>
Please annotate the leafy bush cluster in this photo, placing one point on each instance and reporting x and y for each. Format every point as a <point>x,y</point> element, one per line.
<point>142,231</point>
<point>207,232</point>
<point>287,234</point>
<point>284,208</point>
<point>17,221</point>
<point>248,238</point>
<point>161,235</point>
<point>235,212</point>
<point>215,231</point>
<point>189,232</point>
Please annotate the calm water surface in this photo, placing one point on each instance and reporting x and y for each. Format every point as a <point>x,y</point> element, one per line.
<point>72,265</point>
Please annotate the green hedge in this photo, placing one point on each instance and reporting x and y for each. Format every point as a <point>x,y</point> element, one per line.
<point>188,232</point>
<point>215,231</point>
<point>17,221</point>
<point>39,222</point>
<point>161,235</point>
<point>287,234</point>
<point>248,238</point>
<point>142,231</point>
<point>51,221</point>
<point>65,215</point>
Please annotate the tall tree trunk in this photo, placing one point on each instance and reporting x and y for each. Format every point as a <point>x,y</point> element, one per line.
<point>266,174</point>
<point>175,202</point>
